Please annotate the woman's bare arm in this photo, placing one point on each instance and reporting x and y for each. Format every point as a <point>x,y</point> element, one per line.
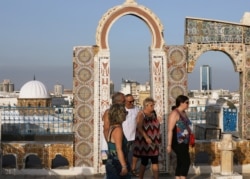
<point>173,117</point>
<point>117,138</point>
<point>106,125</point>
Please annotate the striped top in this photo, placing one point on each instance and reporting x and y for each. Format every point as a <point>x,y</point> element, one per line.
<point>151,126</point>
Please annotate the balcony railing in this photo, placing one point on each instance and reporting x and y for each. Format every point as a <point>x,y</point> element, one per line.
<point>36,120</point>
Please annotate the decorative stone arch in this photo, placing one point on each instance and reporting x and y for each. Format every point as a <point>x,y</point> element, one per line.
<point>234,59</point>
<point>91,79</point>
<point>232,39</point>
<point>130,8</point>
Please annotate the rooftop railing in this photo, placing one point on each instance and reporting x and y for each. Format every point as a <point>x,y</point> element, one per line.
<point>36,120</point>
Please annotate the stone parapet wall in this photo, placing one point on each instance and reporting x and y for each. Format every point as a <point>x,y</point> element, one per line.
<point>45,152</point>
<point>207,152</point>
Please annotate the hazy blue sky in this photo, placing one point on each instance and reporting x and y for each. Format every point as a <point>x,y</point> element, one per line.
<point>37,38</point>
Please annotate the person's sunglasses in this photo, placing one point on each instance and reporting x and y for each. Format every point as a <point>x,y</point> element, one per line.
<point>131,101</point>
<point>187,102</point>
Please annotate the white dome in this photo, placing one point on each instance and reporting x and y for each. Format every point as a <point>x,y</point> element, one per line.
<point>34,90</point>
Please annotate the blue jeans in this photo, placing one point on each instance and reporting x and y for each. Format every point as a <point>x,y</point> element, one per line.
<point>113,169</point>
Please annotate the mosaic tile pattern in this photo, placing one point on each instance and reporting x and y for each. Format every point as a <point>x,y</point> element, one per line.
<point>177,73</point>
<point>83,86</point>
<point>203,31</point>
<point>84,130</point>
<point>233,40</point>
<point>157,61</point>
<point>84,93</point>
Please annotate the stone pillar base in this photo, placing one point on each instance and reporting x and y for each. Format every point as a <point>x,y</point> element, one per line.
<point>219,176</point>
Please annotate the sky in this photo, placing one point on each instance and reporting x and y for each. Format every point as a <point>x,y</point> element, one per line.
<point>37,39</point>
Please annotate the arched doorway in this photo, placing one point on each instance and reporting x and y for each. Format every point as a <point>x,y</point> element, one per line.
<point>232,39</point>
<point>129,59</point>
<point>91,86</point>
<point>221,67</point>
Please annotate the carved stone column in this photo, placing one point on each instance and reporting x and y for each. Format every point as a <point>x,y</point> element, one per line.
<point>227,145</point>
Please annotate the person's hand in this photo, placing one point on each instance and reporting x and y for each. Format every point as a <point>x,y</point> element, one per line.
<point>149,141</point>
<point>124,171</point>
<point>169,149</point>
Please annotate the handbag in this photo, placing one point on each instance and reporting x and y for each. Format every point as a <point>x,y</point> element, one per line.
<point>191,139</point>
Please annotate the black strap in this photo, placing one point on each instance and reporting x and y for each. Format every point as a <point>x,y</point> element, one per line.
<point>110,132</point>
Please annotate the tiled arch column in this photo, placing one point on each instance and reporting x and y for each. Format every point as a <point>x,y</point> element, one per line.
<point>244,115</point>
<point>83,111</point>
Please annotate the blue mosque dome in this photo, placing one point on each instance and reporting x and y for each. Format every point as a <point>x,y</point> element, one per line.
<point>34,90</point>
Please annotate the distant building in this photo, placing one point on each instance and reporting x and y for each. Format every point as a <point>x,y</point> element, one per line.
<point>8,100</point>
<point>139,91</point>
<point>205,77</point>
<point>245,19</point>
<point>6,86</point>
<point>129,87</point>
<point>33,112</point>
<point>34,94</point>
<point>68,96</point>
<point>142,95</point>
<point>58,90</point>
<point>200,99</point>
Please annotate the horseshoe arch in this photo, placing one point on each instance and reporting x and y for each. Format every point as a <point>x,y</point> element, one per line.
<point>92,82</point>
<point>129,8</point>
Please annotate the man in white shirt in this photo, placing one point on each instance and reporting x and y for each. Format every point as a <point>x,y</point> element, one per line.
<point>129,128</point>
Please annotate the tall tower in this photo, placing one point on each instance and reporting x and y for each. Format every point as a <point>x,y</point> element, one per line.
<point>205,77</point>
<point>58,90</point>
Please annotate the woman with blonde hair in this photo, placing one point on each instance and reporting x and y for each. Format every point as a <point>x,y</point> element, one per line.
<point>148,138</point>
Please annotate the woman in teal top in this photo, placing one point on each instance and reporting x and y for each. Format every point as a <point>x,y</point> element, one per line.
<point>117,164</point>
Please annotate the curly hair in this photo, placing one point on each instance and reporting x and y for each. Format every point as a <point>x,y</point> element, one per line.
<point>117,114</point>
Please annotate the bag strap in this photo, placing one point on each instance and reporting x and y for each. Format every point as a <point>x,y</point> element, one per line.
<point>111,129</point>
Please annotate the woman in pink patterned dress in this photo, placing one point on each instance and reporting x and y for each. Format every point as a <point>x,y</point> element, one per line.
<point>147,138</point>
